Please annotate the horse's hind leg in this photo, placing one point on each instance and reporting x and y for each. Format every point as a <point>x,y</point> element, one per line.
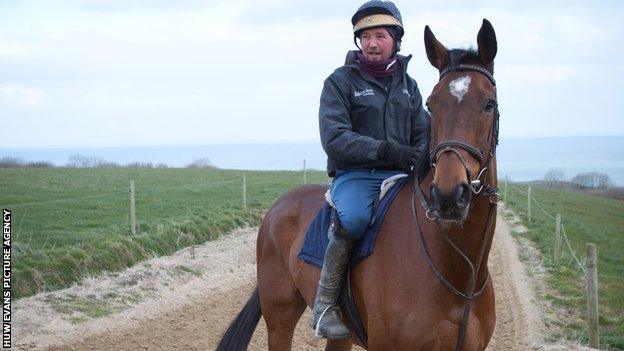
<point>282,307</point>
<point>281,302</point>
<point>338,345</point>
<point>279,240</point>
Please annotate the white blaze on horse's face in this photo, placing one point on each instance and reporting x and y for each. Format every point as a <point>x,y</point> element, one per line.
<point>459,87</point>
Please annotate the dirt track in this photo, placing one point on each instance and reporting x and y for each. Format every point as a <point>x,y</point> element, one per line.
<point>193,312</point>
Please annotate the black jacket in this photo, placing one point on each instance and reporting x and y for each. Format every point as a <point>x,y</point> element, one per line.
<point>357,113</point>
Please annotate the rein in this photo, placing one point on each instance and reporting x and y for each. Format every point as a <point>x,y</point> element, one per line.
<point>478,186</point>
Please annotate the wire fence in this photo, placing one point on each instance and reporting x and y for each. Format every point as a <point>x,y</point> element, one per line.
<point>588,268</point>
<point>145,190</point>
<point>89,219</point>
<point>580,266</point>
<point>565,236</point>
<point>47,202</point>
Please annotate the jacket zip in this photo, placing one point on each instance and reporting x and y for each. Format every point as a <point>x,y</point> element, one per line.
<point>385,113</point>
<point>384,88</point>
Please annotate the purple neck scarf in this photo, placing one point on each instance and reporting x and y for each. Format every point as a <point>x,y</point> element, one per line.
<point>378,69</point>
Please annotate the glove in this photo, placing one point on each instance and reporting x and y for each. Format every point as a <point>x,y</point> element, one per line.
<point>403,156</point>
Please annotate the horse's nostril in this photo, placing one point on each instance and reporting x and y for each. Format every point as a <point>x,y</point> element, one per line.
<point>452,202</point>
<point>462,195</point>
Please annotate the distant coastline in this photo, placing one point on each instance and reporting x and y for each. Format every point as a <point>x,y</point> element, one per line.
<point>519,158</point>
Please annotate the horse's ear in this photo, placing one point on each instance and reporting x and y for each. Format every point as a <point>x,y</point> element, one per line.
<point>486,40</point>
<point>436,52</point>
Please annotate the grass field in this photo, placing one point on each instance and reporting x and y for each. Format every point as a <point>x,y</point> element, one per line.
<point>587,219</point>
<point>72,223</point>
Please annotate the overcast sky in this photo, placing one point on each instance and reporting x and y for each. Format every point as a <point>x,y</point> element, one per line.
<point>139,72</point>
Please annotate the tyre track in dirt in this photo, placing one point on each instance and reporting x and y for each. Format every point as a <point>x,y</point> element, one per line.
<point>193,315</point>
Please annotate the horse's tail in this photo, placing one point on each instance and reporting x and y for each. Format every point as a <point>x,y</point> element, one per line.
<point>238,335</point>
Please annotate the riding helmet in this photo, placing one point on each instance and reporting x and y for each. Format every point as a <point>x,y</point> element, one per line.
<point>378,13</point>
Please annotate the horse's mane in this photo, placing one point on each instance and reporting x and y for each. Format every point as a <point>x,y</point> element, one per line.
<point>463,56</point>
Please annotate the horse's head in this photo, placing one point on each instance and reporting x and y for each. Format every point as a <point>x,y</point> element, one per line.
<point>464,122</point>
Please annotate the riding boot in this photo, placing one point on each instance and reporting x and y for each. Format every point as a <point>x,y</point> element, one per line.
<point>325,316</point>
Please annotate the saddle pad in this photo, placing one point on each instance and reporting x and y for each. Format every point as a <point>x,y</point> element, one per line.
<point>316,240</point>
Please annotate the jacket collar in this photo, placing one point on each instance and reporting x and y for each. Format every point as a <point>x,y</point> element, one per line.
<point>351,60</point>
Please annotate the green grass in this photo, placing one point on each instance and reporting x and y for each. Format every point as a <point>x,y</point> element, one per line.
<point>587,219</point>
<point>89,308</point>
<point>72,223</point>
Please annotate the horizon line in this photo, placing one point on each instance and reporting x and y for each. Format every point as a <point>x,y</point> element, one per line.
<point>255,142</point>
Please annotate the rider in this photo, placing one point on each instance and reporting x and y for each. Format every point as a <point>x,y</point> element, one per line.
<point>373,126</point>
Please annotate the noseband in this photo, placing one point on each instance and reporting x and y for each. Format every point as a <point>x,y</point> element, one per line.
<point>477,185</point>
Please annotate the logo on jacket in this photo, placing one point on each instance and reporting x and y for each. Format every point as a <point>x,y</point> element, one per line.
<point>365,92</point>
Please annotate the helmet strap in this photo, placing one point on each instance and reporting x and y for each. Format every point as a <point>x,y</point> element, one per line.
<point>397,46</point>
<point>356,43</point>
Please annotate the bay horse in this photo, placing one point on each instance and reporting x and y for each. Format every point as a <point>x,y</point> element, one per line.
<point>426,285</point>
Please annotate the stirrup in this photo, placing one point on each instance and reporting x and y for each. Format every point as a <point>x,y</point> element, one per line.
<point>332,324</point>
<point>318,322</point>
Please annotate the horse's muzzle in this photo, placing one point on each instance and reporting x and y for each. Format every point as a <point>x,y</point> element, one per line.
<point>451,205</point>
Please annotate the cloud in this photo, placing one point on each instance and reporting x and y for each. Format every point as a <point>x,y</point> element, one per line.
<point>135,5</point>
<point>536,74</point>
<point>20,95</point>
<point>249,70</point>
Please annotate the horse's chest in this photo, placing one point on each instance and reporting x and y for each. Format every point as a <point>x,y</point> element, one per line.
<point>431,327</point>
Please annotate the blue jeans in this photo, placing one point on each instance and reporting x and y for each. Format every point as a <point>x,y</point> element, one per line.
<point>353,193</point>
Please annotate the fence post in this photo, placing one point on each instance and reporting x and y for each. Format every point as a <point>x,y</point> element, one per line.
<point>132,208</point>
<point>558,238</point>
<point>305,174</point>
<point>529,205</point>
<point>505,193</point>
<point>245,191</point>
<point>592,295</point>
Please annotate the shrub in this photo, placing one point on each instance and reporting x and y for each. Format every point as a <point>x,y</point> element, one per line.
<point>200,163</point>
<point>7,162</point>
<point>591,180</point>
<point>12,162</point>
<point>40,164</point>
<point>140,165</point>
<point>553,177</point>
<point>81,161</point>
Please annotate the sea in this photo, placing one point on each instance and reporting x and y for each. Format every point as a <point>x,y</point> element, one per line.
<point>519,158</point>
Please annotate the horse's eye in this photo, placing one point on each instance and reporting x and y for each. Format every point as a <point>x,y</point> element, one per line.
<point>489,107</point>
<point>428,107</point>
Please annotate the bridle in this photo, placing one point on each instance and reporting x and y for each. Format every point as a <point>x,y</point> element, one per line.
<point>478,186</point>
